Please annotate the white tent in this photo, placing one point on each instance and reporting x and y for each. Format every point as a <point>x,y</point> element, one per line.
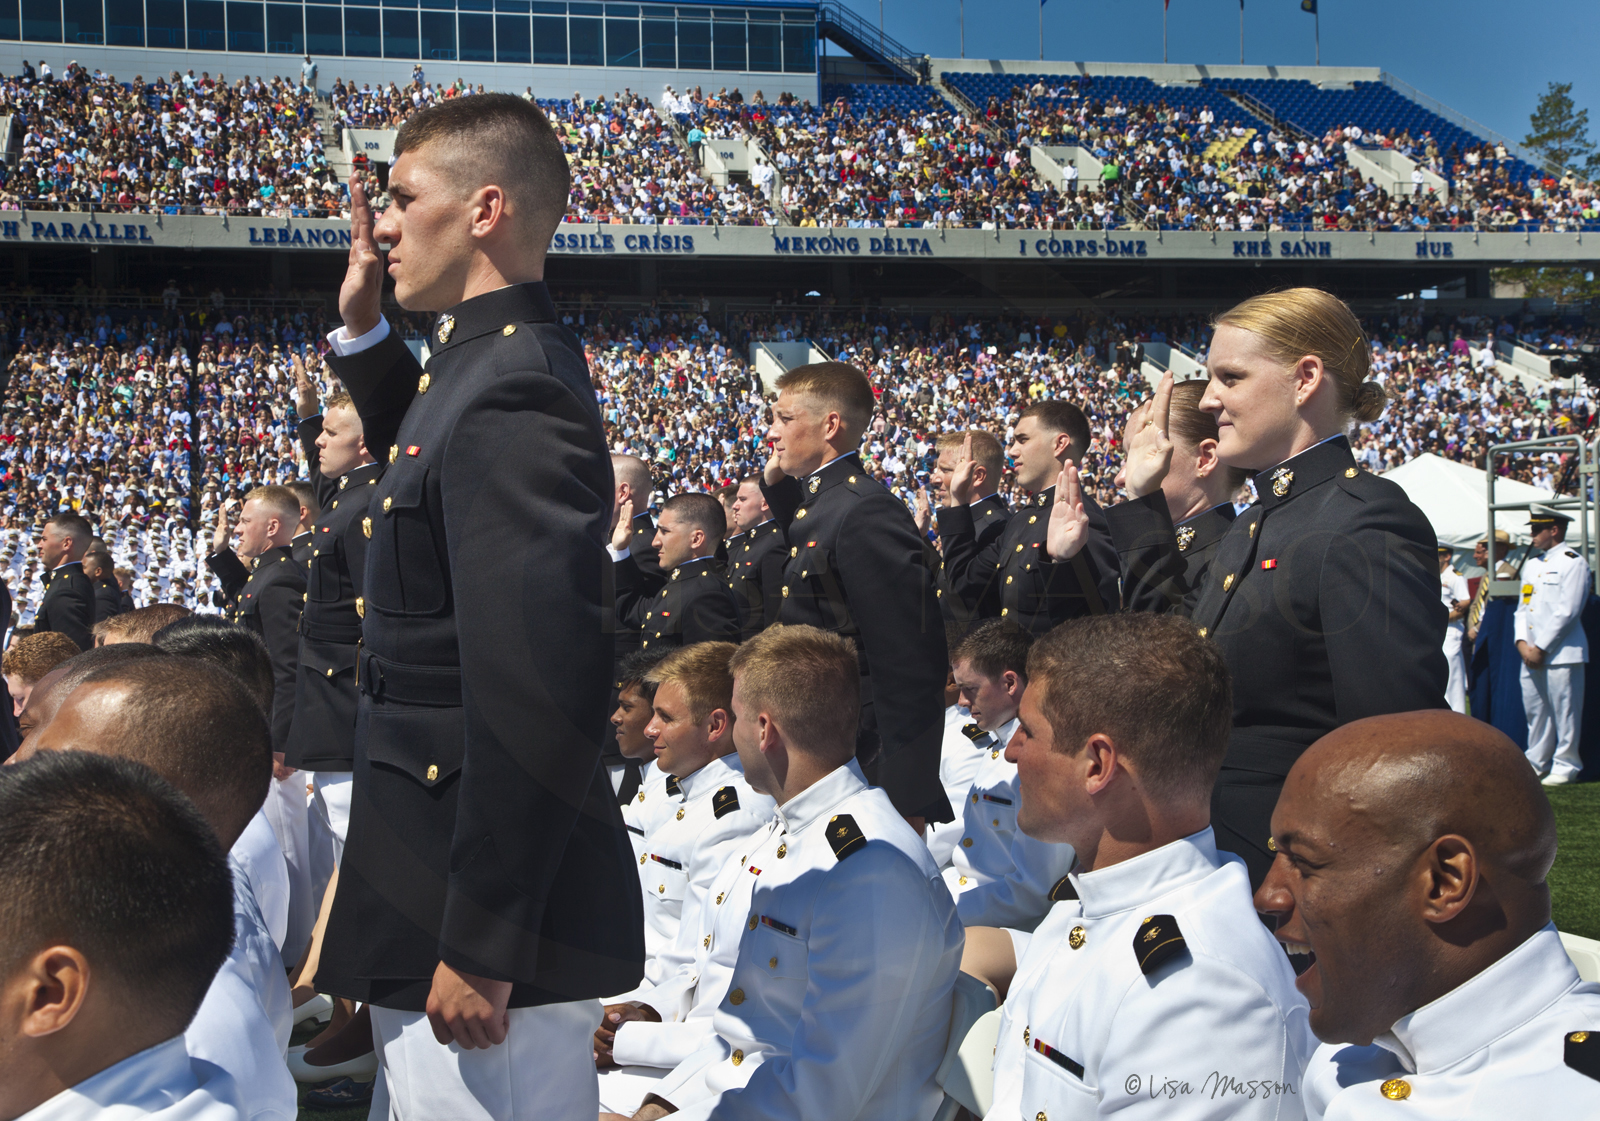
<point>1455,498</point>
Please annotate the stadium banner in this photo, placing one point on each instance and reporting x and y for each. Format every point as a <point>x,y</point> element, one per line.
<point>200,232</point>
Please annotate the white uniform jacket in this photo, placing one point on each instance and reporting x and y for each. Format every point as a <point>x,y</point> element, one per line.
<point>1157,993</point>
<point>840,1002</point>
<point>1000,876</point>
<point>257,856</point>
<point>640,811</point>
<point>1555,587</point>
<point>246,1016</point>
<point>707,950</point>
<point>160,1081</point>
<point>1519,1040</point>
<point>698,821</point>
<point>965,747</point>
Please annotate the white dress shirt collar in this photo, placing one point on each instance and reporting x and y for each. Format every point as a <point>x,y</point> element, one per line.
<point>1134,883</point>
<point>821,796</point>
<point>1496,1002</point>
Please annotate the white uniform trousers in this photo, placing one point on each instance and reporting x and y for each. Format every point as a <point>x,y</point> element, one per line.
<point>622,1089</point>
<point>286,810</point>
<point>1455,689</point>
<point>544,1070</point>
<point>326,826</point>
<point>1553,699</point>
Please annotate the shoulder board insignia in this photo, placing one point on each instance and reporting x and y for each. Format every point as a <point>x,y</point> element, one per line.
<point>1063,889</point>
<point>635,829</point>
<point>672,785</point>
<point>725,801</point>
<point>1571,554</point>
<point>1582,1052</point>
<point>971,731</point>
<point>1157,942</point>
<point>845,835</point>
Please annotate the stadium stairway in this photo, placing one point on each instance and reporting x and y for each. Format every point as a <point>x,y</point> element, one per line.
<point>338,158</point>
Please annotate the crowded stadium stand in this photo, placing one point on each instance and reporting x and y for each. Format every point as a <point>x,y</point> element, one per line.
<point>174,218</point>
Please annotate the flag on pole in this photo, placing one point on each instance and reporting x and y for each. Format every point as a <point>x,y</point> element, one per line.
<point>1305,6</point>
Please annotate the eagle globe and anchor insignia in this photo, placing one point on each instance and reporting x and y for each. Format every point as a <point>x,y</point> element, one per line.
<point>1282,479</point>
<point>447,327</point>
<point>1185,537</point>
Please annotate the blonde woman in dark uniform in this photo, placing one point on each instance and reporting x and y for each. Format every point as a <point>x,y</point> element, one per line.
<point>1323,595</point>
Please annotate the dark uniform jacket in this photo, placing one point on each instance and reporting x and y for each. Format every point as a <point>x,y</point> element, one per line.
<point>858,567</point>
<point>68,604</point>
<point>323,734</point>
<point>755,575</point>
<point>301,544</point>
<point>1324,597</point>
<point>484,833</point>
<point>974,602</point>
<point>1144,589</point>
<point>1032,590</point>
<point>269,604</point>
<point>10,734</point>
<point>231,574</point>
<point>642,550</point>
<point>127,603</point>
<point>694,605</point>
<point>107,598</point>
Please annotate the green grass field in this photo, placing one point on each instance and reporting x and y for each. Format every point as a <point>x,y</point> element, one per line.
<point>1575,880</point>
<point>1574,886</point>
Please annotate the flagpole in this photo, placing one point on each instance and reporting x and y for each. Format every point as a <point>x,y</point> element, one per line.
<point>1241,32</point>
<point>1316,16</point>
<point>1041,30</point>
<point>1164,30</point>
<point>963,19</point>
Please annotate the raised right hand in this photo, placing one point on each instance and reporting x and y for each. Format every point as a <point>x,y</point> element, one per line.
<point>772,473</point>
<point>923,514</point>
<point>1148,456</point>
<point>622,532</point>
<point>361,294</point>
<point>219,539</point>
<point>959,488</point>
<point>305,403</point>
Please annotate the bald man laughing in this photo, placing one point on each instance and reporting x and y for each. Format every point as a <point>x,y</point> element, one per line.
<point>1412,852</point>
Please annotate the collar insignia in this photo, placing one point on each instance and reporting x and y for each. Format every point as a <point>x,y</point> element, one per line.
<point>447,327</point>
<point>1185,537</point>
<point>1282,478</point>
<point>813,484</point>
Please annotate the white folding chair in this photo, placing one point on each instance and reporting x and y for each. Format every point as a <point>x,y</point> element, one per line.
<point>1585,954</point>
<point>967,1073</point>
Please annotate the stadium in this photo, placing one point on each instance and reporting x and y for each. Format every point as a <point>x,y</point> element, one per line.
<point>757,185</point>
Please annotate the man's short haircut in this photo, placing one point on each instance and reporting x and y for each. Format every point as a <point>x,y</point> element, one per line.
<point>35,655</point>
<point>994,646</point>
<point>142,624</point>
<point>279,500</point>
<point>1065,417</point>
<point>1151,683</point>
<point>834,387</point>
<point>340,400</point>
<point>986,450</point>
<point>635,671</point>
<point>197,726</point>
<point>97,559</point>
<point>700,671</point>
<point>699,510</point>
<point>499,139</point>
<point>635,472</point>
<point>80,666</point>
<point>307,494</point>
<point>809,681</point>
<point>105,856</point>
<point>75,525</point>
<point>239,651</point>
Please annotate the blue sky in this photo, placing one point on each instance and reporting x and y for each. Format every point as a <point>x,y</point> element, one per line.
<point>1488,60</point>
